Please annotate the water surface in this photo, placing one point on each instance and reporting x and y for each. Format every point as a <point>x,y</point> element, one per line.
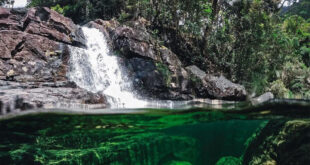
<point>157,136</point>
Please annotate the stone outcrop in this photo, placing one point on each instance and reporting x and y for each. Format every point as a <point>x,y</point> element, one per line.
<point>157,71</point>
<point>281,142</point>
<point>218,87</point>
<point>16,97</point>
<point>34,51</point>
<point>35,43</point>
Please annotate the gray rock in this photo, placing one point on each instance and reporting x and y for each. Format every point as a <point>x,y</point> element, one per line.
<point>222,88</point>
<point>33,42</point>
<point>218,87</point>
<point>16,97</point>
<point>194,70</point>
<point>263,98</point>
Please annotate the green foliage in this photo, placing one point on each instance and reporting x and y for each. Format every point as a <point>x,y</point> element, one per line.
<point>302,9</point>
<point>278,88</point>
<point>164,70</point>
<point>293,25</point>
<point>81,11</point>
<point>58,9</point>
<point>255,47</point>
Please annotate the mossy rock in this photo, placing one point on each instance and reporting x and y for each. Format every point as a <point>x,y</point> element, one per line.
<point>229,160</point>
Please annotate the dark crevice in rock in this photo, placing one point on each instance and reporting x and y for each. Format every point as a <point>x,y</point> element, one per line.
<point>78,44</point>
<point>59,27</point>
<point>50,37</point>
<point>18,48</point>
<point>19,11</point>
<point>20,104</point>
<point>4,26</point>
<point>26,23</point>
<point>42,14</point>
<point>38,53</point>
<point>8,109</point>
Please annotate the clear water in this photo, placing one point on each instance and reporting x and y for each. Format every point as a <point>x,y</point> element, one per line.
<point>192,138</point>
<point>197,136</point>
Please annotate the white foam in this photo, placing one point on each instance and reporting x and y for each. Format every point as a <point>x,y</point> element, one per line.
<point>96,69</point>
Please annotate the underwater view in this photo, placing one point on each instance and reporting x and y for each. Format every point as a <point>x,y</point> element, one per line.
<point>154,82</point>
<point>261,135</point>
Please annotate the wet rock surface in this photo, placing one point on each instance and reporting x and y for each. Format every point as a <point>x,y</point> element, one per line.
<point>16,97</point>
<point>157,71</point>
<point>281,142</point>
<point>34,60</point>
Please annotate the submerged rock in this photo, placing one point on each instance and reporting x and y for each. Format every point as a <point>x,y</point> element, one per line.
<point>229,160</point>
<point>281,142</point>
<point>145,148</point>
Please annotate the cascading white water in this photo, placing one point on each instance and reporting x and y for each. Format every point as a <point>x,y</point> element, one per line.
<point>96,69</point>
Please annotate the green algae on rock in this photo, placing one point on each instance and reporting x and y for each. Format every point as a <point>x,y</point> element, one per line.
<point>183,138</point>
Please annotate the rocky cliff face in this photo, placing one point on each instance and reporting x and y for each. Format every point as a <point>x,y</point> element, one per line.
<point>34,62</point>
<point>157,71</point>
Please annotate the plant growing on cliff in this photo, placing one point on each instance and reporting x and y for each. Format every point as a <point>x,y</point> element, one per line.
<point>164,70</point>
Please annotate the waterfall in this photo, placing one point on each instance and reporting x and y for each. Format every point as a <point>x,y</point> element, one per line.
<point>96,69</point>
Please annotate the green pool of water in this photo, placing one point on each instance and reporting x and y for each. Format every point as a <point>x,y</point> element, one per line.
<point>192,137</point>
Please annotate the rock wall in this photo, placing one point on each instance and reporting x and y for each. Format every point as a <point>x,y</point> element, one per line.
<point>33,60</point>
<point>157,71</point>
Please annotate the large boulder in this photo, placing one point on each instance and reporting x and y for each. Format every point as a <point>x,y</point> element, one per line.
<point>281,142</point>
<point>217,87</point>
<point>221,88</point>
